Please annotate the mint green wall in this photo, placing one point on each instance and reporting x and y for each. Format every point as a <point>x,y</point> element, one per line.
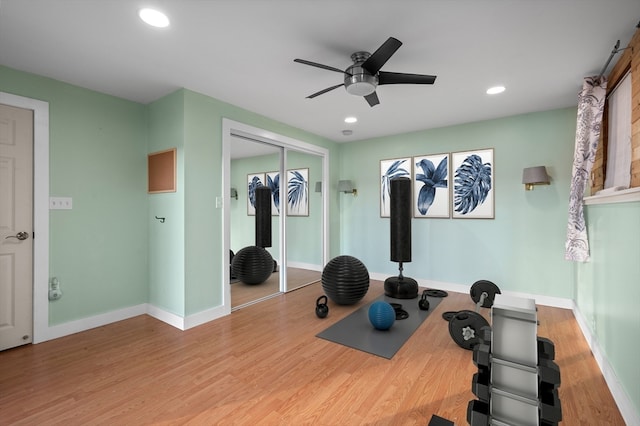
<point>166,127</point>
<point>520,250</point>
<point>304,233</point>
<point>98,250</point>
<point>608,288</point>
<point>203,182</point>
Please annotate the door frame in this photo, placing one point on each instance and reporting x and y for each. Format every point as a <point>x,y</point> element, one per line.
<point>40,210</point>
<point>231,127</point>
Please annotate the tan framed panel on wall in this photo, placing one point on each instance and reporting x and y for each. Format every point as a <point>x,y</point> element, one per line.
<point>161,168</point>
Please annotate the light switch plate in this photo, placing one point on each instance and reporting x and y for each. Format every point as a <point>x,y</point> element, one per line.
<point>60,203</point>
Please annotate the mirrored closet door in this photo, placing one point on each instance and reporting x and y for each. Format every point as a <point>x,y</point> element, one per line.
<point>296,172</point>
<point>253,164</point>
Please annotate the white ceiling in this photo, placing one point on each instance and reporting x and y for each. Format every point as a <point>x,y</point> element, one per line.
<point>242,52</point>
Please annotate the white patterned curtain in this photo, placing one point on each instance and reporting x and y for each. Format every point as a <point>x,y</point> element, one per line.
<point>590,106</point>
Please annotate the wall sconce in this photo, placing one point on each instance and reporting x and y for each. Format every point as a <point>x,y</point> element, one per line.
<point>534,176</point>
<point>346,186</point>
<point>318,186</point>
<point>234,193</point>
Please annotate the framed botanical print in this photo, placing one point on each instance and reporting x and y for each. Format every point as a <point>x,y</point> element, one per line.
<point>473,184</point>
<point>254,180</point>
<point>298,192</point>
<point>390,169</point>
<point>431,192</point>
<point>273,182</point>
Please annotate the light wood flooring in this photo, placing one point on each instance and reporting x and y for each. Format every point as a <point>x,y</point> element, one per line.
<point>263,365</point>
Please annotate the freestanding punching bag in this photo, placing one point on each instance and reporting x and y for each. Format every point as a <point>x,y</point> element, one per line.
<point>400,287</point>
<point>400,220</point>
<point>254,264</point>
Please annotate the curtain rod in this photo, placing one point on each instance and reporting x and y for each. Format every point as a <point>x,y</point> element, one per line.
<point>615,50</point>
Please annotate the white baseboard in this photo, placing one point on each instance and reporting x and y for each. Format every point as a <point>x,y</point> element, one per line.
<point>441,285</point>
<point>626,407</point>
<point>205,316</point>
<point>185,323</point>
<point>309,266</point>
<point>76,326</point>
<point>556,302</point>
<point>165,316</point>
<point>72,327</point>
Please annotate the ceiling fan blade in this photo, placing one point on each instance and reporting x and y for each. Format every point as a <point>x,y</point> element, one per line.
<point>382,55</point>
<point>403,78</point>
<point>325,67</point>
<point>328,89</point>
<point>372,99</point>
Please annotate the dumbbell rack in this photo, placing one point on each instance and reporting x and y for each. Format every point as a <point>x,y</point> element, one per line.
<point>517,380</point>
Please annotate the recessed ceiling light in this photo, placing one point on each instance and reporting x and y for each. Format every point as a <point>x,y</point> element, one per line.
<point>153,17</point>
<point>495,90</point>
<point>350,120</point>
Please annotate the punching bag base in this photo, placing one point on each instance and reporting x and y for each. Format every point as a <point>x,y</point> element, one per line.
<point>401,287</point>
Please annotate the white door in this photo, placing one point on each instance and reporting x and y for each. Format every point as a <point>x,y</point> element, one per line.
<point>16,226</point>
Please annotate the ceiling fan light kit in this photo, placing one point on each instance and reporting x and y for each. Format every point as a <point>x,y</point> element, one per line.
<point>357,80</point>
<point>364,76</point>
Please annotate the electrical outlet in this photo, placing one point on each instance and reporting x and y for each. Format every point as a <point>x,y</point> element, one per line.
<point>54,289</point>
<point>60,203</point>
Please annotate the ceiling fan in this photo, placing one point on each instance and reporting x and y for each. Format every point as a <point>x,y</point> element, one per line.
<point>362,78</point>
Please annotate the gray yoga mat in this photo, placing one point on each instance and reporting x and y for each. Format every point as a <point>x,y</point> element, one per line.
<point>355,331</point>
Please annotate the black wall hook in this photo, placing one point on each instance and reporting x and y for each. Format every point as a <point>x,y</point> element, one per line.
<point>161,219</point>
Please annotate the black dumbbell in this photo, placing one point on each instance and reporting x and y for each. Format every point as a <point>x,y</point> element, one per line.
<point>482,355</point>
<point>546,348</point>
<point>480,386</point>
<point>550,408</point>
<point>478,413</point>
<point>548,373</point>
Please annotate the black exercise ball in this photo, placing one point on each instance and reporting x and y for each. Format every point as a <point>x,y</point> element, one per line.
<point>252,265</point>
<point>231,255</point>
<point>345,280</point>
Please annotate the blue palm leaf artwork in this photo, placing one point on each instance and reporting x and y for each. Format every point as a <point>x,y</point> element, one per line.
<point>432,178</point>
<point>274,184</point>
<point>394,170</point>
<point>297,192</point>
<point>472,184</point>
<point>254,183</point>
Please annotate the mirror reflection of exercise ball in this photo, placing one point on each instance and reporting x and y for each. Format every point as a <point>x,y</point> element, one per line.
<point>254,264</point>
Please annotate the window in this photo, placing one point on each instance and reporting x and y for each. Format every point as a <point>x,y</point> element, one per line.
<point>618,168</point>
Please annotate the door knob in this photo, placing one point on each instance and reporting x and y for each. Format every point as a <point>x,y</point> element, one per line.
<point>20,235</point>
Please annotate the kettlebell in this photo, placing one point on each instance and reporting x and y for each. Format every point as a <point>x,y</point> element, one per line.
<point>423,303</point>
<point>322,310</point>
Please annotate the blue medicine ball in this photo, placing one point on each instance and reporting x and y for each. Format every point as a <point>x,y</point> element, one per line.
<point>381,315</point>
